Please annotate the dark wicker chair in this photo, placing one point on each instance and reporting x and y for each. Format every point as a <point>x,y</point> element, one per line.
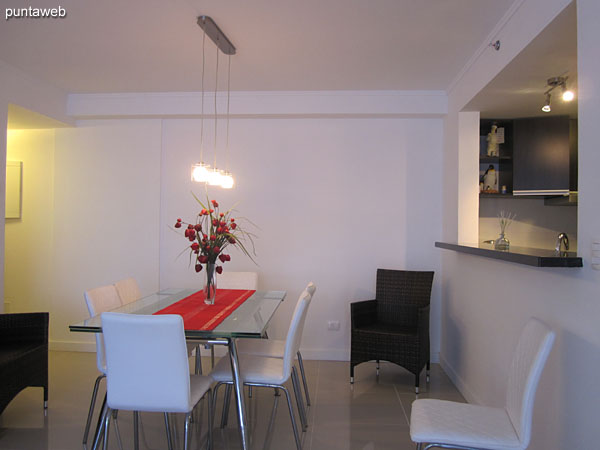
<point>23,354</point>
<point>395,326</point>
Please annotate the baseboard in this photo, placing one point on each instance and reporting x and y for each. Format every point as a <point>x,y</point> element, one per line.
<point>458,382</point>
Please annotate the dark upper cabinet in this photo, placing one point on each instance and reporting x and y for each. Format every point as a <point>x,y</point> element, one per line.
<point>544,156</point>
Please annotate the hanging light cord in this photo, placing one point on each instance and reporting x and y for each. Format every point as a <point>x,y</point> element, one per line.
<point>202,107</point>
<point>216,87</point>
<point>227,126</point>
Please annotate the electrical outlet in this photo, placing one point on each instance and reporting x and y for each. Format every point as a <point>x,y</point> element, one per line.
<point>596,254</point>
<point>333,325</point>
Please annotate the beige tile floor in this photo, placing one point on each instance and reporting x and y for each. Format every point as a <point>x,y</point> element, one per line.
<point>372,414</point>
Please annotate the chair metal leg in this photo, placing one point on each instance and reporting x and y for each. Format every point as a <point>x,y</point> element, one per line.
<point>351,373</point>
<point>419,446</point>
<point>301,364</point>
<point>99,434</point>
<point>106,428</point>
<point>377,369</point>
<point>226,403</point>
<point>186,438</point>
<point>198,361</point>
<point>299,401</point>
<point>168,428</point>
<point>249,391</point>
<point>417,384</point>
<point>294,426</point>
<point>427,369</point>
<point>212,356</point>
<point>136,434</point>
<point>211,412</point>
<point>91,411</point>
<point>117,431</point>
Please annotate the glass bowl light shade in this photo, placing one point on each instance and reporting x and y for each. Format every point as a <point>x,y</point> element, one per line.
<point>227,181</point>
<point>200,172</point>
<point>214,177</point>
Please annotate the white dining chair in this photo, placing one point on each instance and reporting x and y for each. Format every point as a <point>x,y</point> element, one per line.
<point>275,348</point>
<point>128,290</point>
<point>99,300</point>
<point>147,371</point>
<point>445,424</point>
<point>262,371</point>
<point>226,280</point>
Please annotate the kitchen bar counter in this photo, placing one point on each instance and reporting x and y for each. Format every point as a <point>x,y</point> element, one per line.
<point>520,255</point>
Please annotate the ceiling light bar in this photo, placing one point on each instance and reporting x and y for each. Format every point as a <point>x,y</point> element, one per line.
<point>213,31</point>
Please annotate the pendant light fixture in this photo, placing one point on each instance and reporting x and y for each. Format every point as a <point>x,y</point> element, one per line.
<point>202,172</point>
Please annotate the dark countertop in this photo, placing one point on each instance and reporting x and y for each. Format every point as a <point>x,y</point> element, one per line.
<point>520,255</point>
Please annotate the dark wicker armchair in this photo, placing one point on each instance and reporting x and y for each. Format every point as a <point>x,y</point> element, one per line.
<point>395,326</point>
<point>23,354</point>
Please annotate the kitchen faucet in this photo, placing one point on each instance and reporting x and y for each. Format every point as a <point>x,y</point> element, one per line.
<point>560,240</point>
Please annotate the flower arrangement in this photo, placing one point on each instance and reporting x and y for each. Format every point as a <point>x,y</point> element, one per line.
<point>212,232</point>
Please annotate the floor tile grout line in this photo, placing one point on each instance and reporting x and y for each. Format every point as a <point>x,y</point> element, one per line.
<point>401,405</point>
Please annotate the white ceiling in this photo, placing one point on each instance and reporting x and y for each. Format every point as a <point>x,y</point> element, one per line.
<point>155,45</point>
<point>518,90</point>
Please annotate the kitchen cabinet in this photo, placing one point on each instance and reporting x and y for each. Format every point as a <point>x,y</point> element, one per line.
<point>545,156</point>
<point>503,162</point>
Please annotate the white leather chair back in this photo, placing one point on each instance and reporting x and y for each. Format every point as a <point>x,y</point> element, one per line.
<point>147,363</point>
<point>237,280</point>
<point>525,371</point>
<point>294,336</point>
<point>99,300</point>
<point>128,290</point>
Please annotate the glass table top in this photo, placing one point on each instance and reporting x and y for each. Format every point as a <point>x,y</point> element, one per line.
<point>250,319</point>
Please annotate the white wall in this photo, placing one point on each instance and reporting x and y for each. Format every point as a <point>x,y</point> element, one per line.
<point>486,302</point>
<point>107,186</point>
<point>24,90</point>
<point>332,199</point>
<point>29,240</point>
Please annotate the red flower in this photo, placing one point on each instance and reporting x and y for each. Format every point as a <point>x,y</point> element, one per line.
<point>228,257</point>
<point>219,269</point>
<point>221,215</point>
<point>178,225</point>
<point>197,227</point>
<point>216,249</point>
<point>212,211</point>
<point>212,237</point>
<point>222,223</point>
<point>204,212</point>
<point>220,230</point>
<point>178,220</point>
<point>233,226</point>
<point>232,219</point>
<point>215,222</point>
<point>205,236</point>
<point>190,226</point>
<point>231,240</point>
<point>215,204</point>
<point>203,259</point>
<point>195,246</point>
<point>198,267</point>
<point>223,257</point>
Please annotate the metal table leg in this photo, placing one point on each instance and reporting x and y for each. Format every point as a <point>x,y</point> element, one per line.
<point>238,389</point>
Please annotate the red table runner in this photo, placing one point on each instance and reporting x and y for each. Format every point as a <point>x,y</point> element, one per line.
<point>197,315</point>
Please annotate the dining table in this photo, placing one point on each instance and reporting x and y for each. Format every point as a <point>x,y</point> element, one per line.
<point>237,314</point>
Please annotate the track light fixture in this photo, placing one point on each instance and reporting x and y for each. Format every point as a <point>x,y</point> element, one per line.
<point>546,107</point>
<point>553,83</point>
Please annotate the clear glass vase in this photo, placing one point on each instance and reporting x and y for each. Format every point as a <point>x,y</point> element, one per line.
<point>502,243</point>
<point>210,288</point>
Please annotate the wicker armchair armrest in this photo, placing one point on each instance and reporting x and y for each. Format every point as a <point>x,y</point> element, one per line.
<point>363,313</point>
<point>24,328</point>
